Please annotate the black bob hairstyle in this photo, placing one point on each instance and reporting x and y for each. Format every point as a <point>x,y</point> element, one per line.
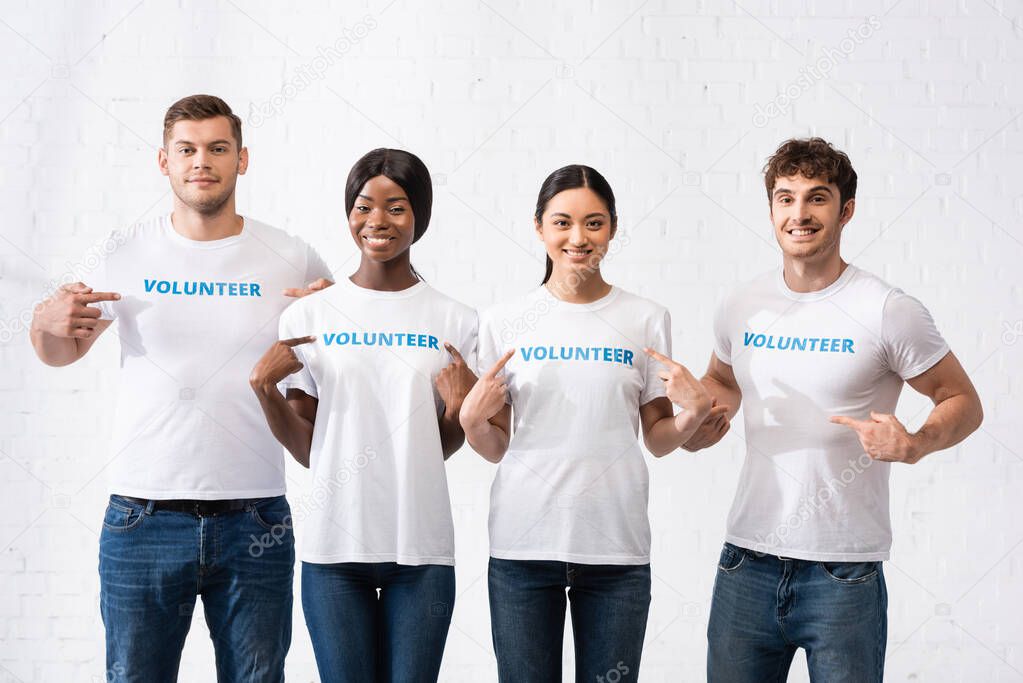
<point>406,170</point>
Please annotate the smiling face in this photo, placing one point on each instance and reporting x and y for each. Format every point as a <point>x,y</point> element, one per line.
<point>381,220</point>
<point>576,229</point>
<point>808,217</point>
<point>203,162</point>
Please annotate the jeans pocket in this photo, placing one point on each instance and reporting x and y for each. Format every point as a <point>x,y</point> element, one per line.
<point>731,558</point>
<point>850,572</point>
<point>122,515</point>
<point>273,514</point>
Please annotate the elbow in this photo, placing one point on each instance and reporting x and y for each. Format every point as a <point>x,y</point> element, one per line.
<point>656,451</point>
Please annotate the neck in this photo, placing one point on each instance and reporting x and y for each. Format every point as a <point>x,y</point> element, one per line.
<point>576,288</point>
<point>203,227</point>
<point>813,275</point>
<point>386,276</point>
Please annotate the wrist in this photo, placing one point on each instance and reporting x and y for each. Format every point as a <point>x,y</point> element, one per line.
<point>920,444</point>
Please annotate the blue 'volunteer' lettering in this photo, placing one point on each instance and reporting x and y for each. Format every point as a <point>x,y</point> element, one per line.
<point>202,288</point>
<point>424,341</point>
<point>786,343</point>
<point>605,354</point>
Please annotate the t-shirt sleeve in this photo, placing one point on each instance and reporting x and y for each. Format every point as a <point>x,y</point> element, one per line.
<point>487,352</point>
<point>101,278</point>
<point>911,340</point>
<point>288,328</point>
<point>468,344</point>
<point>722,340</point>
<point>316,267</point>
<point>659,339</point>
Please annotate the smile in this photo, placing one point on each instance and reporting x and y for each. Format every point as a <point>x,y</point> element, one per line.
<point>376,241</point>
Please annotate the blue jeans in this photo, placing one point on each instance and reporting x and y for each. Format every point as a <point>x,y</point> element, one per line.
<point>361,637</point>
<point>765,607</point>
<point>609,606</point>
<point>152,565</point>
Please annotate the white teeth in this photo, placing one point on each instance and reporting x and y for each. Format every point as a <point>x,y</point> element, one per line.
<point>803,231</point>
<point>377,240</point>
<point>573,252</point>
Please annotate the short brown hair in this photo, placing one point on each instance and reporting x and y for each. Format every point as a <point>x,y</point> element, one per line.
<point>200,108</point>
<point>811,158</point>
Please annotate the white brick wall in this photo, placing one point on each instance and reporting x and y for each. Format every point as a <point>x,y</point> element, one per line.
<point>658,95</point>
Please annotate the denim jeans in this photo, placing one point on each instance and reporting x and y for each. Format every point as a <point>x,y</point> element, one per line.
<point>152,565</point>
<point>609,605</point>
<point>360,637</point>
<point>765,607</point>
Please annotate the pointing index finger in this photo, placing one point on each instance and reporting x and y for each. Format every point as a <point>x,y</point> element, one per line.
<point>93,297</point>
<point>658,356</point>
<point>501,362</point>
<point>298,340</point>
<point>453,351</point>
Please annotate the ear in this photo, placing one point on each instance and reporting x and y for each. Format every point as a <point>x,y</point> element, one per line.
<point>538,225</point>
<point>614,228</point>
<point>162,161</point>
<point>243,160</point>
<point>847,212</point>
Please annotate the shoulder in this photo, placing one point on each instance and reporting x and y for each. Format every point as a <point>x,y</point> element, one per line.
<point>640,308</point>
<point>276,239</point>
<point>449,304</point>
<point>512,307</point>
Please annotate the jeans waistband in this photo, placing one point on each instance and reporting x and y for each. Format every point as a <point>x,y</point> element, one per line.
<point>200,508</point>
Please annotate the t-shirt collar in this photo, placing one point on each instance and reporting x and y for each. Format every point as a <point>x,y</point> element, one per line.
<point>843,279</point>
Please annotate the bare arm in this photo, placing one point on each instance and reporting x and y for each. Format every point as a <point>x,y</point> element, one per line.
<point>453,384</point>
<point>720,382</point>
<point>957,413</point>
<point>490,438</point>
<point>486,416</point>
<point>65,326</point>
<point>291,419</point>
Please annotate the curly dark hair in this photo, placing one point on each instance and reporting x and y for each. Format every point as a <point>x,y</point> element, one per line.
<point>811,158</point>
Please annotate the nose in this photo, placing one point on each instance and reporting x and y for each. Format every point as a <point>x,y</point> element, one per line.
<point>377,218</point>
<point>199,159</point>
<point>801,212</point>
<point>577,236</point>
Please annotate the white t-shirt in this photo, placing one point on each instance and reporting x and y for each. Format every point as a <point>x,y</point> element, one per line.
<point>379,490</point>
<point>573,485</point>
<point>807,489</point>
<point>193,319</point>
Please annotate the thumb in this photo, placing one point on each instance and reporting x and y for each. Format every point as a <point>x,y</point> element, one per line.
<point>77,288</point>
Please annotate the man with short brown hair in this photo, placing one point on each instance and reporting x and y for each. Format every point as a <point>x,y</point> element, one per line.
<point>819,351</point>
<point>197,479</point>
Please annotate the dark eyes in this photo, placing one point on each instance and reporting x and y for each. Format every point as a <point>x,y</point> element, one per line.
<point>394,210</point>
<point>593,225</point>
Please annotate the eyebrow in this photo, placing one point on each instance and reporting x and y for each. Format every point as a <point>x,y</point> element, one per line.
<point>589,215</point>
<point>815,188</point>
<point>389,199</point>
<point>189,142</point>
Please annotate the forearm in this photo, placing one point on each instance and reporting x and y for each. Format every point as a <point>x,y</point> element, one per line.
<point>488,439</point>
<point>723,394</point>
<point>670,432</point>
<point>950,421</point>
<point>451,434</point>
<point>293,431</point>
<point>54,351</point>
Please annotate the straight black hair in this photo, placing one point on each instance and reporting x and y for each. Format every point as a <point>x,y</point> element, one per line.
<point>571,178</point>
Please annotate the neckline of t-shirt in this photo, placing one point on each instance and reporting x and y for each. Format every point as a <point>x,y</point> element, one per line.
<point>383,294</point>
<point>842,281</point>
<point>591,306</point>
<point>168,228</point>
